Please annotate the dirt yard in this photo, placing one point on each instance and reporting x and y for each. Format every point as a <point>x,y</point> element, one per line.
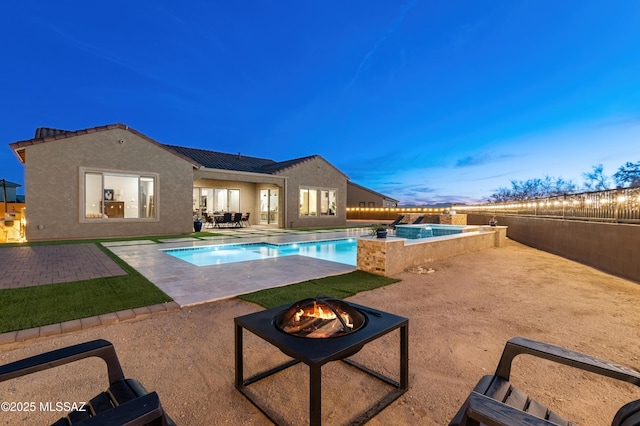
<point>460,316</point>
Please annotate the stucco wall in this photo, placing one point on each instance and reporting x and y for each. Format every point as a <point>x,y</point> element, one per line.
<point>356,195</point>
<point>610,247</point>
<point>315,173</point>
<point>52,175</point>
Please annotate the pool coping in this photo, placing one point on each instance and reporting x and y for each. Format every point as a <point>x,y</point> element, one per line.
<point>190,285</point>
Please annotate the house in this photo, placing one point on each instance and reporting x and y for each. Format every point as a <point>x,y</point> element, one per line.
<point>112,181</point>
<point>359,196</point>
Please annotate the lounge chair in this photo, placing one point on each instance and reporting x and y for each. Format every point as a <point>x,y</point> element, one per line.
<point>393,224</point>
<point>126,401</point>
<point>494,400</point>
<point>418,220</point>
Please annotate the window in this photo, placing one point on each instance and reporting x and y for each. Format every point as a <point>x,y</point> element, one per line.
<point>209,200</point>
<point>109,195</point>
<point>304,202</point>
<point>308,202</point>
<point>328,203</point>
<point>313,200</point>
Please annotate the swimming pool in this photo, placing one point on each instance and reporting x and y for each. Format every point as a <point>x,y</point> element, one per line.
<point>340,251</point>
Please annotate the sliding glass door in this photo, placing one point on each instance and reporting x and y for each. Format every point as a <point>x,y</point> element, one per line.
<point>269,206</point>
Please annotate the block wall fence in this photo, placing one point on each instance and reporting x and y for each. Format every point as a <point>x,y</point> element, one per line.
<point>610,247</point>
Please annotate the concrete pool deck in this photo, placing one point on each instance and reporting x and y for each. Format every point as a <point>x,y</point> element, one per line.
<point>190,285</point>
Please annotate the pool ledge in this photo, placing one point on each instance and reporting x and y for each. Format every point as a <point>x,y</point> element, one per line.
<point>391,256</point>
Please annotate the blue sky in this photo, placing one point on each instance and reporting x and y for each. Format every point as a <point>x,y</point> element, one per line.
<point>425,101</point>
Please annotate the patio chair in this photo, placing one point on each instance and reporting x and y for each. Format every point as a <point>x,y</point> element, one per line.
<point>126,401</point>
<point>418,220</point>
<point>237,220</point>
<point>245,219</point>
<point>222,220</point>
<point>495,401</point>
<point>209,221</point>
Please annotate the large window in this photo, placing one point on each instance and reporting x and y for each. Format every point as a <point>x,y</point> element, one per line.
<point>109,195</point>
<point>210,200</point>
<point>314,200</point>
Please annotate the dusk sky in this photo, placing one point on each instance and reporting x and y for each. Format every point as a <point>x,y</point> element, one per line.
<point>424,101</point>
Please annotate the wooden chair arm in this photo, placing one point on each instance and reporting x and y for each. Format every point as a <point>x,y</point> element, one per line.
<point>519,346</point>
<point>490,412</point>
<point>97,348</point>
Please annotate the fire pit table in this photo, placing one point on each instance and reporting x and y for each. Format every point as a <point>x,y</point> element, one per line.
<point>315,352</point>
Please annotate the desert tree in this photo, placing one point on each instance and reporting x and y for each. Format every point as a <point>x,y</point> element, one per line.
<point>627,175</point>
<point>533,188</point>
<point>596,180</point>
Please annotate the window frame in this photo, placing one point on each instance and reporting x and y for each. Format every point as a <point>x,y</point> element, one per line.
<point>317,208</point>
<point>82,198</point>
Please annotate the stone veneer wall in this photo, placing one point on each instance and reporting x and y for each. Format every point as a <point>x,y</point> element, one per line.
<point>391,256</point>
<point>453,219</point>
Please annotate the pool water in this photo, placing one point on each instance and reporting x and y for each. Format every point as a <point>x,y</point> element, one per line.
<point>340,251</point>
<point>414,232</point>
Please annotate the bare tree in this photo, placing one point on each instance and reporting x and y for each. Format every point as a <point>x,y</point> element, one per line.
<point>628,175</point>
<point>596,180</point>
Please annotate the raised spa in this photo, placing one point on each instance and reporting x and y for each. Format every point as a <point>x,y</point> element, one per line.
<point>428,230</point>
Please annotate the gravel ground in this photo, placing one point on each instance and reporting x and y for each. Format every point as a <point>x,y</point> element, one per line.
<point>461,312</point>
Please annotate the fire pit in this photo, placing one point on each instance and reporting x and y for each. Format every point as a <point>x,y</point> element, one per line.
<point>320,318</point>
<point>315,332</point>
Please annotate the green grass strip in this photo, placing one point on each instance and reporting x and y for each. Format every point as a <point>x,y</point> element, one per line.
<point>36,306</point>
<point>28,307</point>
<point>340,286</point>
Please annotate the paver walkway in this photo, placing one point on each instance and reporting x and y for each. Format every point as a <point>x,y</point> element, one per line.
<point>37,265</point>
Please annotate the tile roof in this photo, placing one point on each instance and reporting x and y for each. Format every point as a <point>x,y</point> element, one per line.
<point>283,165</point>
<point>220,160</point>
<point>46,134</point>
<point>43,132</point>
<point>198,157</point>
<point>238,162</point>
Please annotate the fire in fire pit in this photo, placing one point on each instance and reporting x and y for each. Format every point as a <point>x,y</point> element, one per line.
<point>319,318</point>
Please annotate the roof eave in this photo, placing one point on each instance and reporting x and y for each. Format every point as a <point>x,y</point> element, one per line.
<point>239,172</point>
<point>20,146</point>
